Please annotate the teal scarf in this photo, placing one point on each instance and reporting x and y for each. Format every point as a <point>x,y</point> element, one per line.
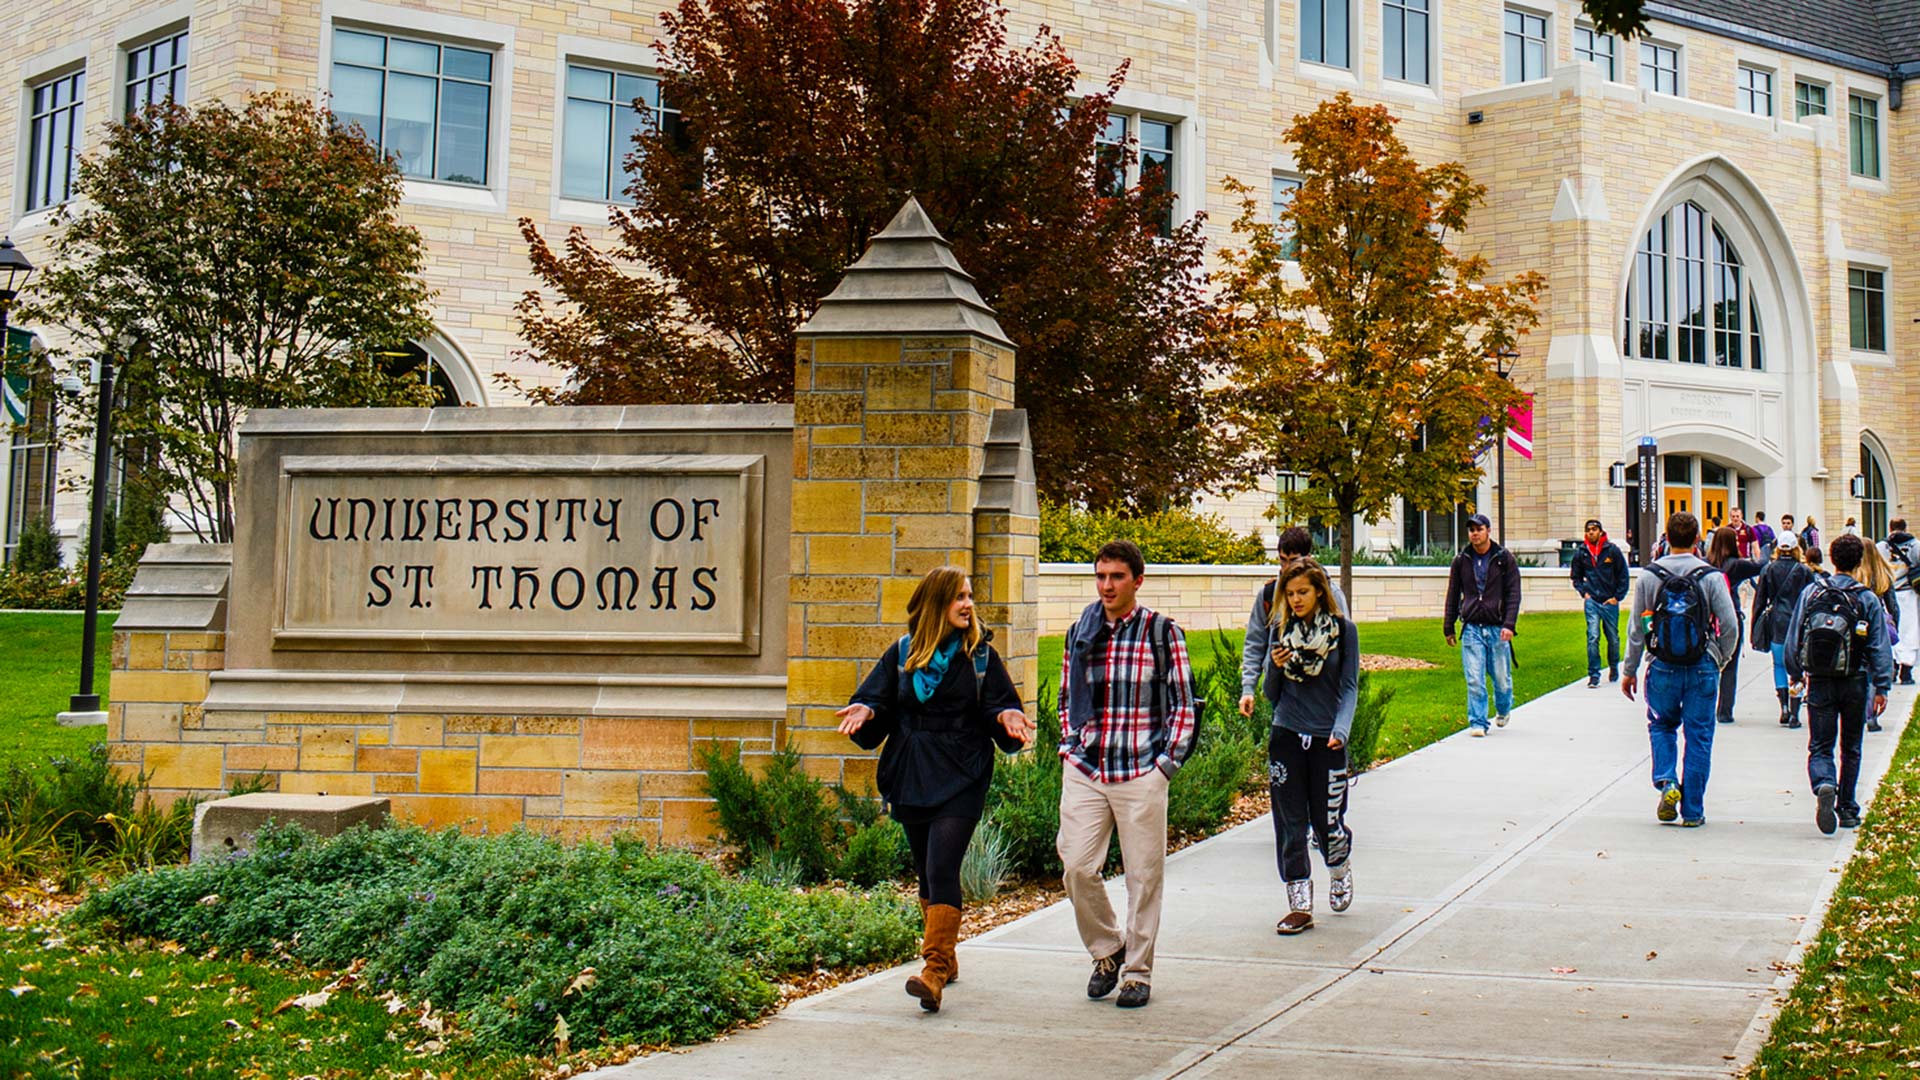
<point>927,679</point>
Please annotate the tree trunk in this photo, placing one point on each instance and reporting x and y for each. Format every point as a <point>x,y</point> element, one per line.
<point>1345,509</point>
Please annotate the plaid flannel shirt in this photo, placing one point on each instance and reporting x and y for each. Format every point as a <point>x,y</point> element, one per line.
<point>1123,740</point>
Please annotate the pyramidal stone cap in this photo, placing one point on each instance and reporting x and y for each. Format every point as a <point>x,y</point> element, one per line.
<point>906,284</point>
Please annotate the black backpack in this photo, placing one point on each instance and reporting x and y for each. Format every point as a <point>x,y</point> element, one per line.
<point>1827,628</point>
<point>1160,636</point>
<point>1682,616</point>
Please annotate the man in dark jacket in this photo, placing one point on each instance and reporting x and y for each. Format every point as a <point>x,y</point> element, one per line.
<point>1839,706</point>
<point>1600,576</point>
<point>1483,591</point>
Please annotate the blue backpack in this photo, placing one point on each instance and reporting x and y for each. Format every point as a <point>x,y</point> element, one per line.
<point>1682,616</point>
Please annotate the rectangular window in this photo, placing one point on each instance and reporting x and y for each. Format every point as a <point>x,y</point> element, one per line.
<point>1676,469</point>
<point>56,123</point>
<point>1156,166</point>
<point>1284,189</point>
<point>1753,91</point>
<point>1432,532</point>
<point>1404,33</point>
<point>605,111</point>
<point>1659,68</point>
<point>1863,135</point>
<point>1525,40</point>
<point>1867,309</point>
<point>1809,99</point>
<point>1110,156</point>
<point>1324,32</point>
<point>33,453</point>
<point>1597,49</point>
<point>157,72</point>
<point>1153,168</point>
<point>429,105</point>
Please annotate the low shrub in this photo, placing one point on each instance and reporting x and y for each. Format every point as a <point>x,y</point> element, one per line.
<point>1023,803</point>
<point>59,589</point>
<point>1369,716</point>
<point>1069,534</point>
<point>37,549</point>
<point>787,826</point>
<point>75,815</point>
<point>515,930</point>
<point>984,867</point>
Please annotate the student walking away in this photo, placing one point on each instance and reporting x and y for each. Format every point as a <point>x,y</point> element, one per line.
<point>1837,650</point>
<point>940,699</point>
<point>1877,577</point>
<point>1816,563</point>
<point>1312,685</point>
<point>1295,547</point>
<point>1742,533</point>
<point>1723,553</point>
<point>1483,592</point>
<point>1810,540</point>
<point>1684,615</point>
<point>1128,718</point>
<point>1600,576</point>
<point>1902,551</point>
<point>1852,527</point>
<point>1779,588</point>
<point>1762,535</point>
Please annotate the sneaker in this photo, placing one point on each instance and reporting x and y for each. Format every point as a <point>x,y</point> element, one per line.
<point>1693,822</point>
<point>1593,681</point>
<point>1873,724</point>
<point>1613,672</point>
<point>1728,719</point>
<point>1823,814</point>
<point>1668,807</point>
<point>1133,995</point>
<point>1849,819</point>
<point>1340,889</point>
<point>1106,975</point>
<point>1793,723</point>
<point>1501,720</point>
<point>1478,731</point>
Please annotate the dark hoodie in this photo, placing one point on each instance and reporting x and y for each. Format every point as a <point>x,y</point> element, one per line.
<point>1495,604</point>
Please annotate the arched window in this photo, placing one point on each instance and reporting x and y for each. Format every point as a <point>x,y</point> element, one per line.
<point>416,362</point>
<point>1687,295</point>
<point>1873,507</point>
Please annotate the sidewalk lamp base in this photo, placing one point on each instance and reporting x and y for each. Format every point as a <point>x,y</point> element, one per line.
<point>83,703</point>
<point>82,718</point>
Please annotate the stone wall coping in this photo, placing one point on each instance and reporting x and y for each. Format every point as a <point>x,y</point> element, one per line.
<point>761,697</point>
<point>521,419</point>
<point>1266,571</point>
<point>357,678</point>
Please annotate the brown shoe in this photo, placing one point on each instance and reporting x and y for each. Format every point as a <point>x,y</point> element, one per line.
<point>1296,922</point>
<point>937,949</point>
<point>953,975</point>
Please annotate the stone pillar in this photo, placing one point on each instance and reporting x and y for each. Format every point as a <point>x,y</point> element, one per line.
<point>170,635</point>
<point>898,378</point>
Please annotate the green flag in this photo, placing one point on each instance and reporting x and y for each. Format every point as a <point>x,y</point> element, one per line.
<point>19,348</point>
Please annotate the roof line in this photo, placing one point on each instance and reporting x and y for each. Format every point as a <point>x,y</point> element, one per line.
<point>1841,58</point>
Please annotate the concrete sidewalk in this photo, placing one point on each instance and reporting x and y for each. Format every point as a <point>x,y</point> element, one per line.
<point>1481,865</point>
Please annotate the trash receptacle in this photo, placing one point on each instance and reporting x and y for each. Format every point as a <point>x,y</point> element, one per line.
<point>1567,548</point>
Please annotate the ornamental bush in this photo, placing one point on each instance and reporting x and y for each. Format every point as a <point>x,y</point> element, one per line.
<point>501,928</point>
<point>1180,535</point>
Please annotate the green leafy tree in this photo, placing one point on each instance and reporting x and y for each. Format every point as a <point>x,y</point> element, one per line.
<point>1627,18</point>
<point>1369,369</point>
<point>798,129</point>
<point>254,256</point>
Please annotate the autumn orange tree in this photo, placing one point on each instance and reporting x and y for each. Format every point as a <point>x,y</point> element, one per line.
<point>798,129</point>
<point>1359,346</point>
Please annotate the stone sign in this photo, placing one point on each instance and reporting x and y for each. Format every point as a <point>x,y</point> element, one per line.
<point>543,552</point>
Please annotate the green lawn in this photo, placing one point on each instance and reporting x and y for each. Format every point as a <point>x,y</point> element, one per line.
<point>43,666</point>
<point>1550,651</point>
<point>1856,1010</point>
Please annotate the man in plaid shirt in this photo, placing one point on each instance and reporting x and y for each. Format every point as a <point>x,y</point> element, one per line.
<point>1126,724</point>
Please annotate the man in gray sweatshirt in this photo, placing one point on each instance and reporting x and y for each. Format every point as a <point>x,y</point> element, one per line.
<point>1683,613</point>
<point>1295,546</point>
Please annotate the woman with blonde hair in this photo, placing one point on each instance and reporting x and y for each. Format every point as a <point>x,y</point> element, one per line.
<point>1878,576</point>
<point>1779,589</point>
<point>940,699</point>
<point>1313,682</point>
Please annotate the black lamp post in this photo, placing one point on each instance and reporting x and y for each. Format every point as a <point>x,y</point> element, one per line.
<point>86,701</point>
<point>15,269</point>
<point>1503,363</point>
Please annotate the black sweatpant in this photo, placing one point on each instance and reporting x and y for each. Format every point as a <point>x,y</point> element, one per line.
<point>938,848</point>
<point>1730,676</point>
<point>1308,782</point>
<point>1837,712</point>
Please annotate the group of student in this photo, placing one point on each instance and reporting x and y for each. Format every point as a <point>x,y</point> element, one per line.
<point>940,700</point>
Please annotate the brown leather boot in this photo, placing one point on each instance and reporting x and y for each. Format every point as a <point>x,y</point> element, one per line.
<point>937,949</point>
<point>953,975</point>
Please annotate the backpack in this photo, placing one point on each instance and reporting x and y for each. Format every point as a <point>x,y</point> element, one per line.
<point>1827,632</point>
<point>980,656</point>
<point>1682,616</point>
<point>1160,636</point>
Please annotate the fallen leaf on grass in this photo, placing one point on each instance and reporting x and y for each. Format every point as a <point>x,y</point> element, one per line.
<point>23,988</point>
<point>560,1035</point>
<point>581,981</point>
<point>305,1001</point>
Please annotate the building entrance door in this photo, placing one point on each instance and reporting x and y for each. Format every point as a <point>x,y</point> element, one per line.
<point>1713,508</point>
<point>1678,499</point>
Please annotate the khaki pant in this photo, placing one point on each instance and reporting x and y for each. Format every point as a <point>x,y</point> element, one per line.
<point>1089,813</point>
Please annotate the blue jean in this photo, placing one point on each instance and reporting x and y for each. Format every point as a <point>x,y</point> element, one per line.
<point>1779,665</point>
<point>1602,619</point>
<point>1682,699</point>
<point>1482,651</point>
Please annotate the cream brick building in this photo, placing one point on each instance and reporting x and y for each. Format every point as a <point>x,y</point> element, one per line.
<point>1738,186</point>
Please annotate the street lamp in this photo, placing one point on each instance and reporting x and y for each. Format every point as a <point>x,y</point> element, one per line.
<point>1503,363</point>
<point>15,269</point>
<point>86,701</point>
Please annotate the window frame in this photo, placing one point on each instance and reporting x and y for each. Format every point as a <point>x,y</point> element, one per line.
<point>616,72</point>
<point>1289,242</point>
<point>1877,145</point>
<point>1826,98</point>
<point>1176,150</point>
<point>439,172</point>
<point>1678,71</point>
<point>125,81</point>
<point>1746,94</point>
<point>1545,41</point>
<point>1868,289</point>
<point>32,150</point>
<point>1346,62</point>
<point>1723,339</point>
<point>1875,510</point>
<point>1587,54</point>
<point>1406,13</point>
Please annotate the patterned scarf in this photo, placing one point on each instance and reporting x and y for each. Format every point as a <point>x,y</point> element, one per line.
<point>1309,641</point>
<point>928,679</point>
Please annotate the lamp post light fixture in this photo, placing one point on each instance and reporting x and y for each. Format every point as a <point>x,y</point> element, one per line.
<point>1858,487</point>
<point>1503,364</point>
<point>84,707</point>
<point>15,269</point>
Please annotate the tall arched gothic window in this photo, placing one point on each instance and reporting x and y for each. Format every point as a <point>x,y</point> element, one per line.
<point>1689,298</point>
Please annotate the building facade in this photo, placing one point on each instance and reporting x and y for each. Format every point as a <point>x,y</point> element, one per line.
<point>1726,210</point>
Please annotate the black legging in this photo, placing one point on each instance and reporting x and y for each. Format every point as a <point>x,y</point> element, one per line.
<point>938,847</point>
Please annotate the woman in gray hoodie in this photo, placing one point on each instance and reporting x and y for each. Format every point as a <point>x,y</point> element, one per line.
<point>1311,663</point>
